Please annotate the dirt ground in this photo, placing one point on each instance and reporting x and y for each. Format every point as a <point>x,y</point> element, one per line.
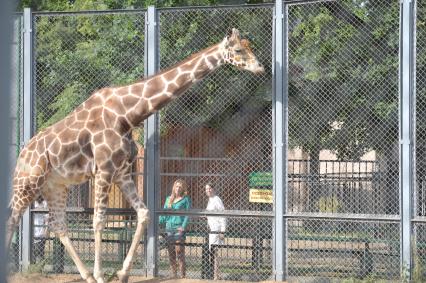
<point>73,278</point>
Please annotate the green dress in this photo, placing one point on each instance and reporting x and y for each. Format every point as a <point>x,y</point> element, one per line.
<point>173,222</point>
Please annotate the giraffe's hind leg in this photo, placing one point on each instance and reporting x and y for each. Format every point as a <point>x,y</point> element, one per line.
<point>26,187</point>
<point>56,197</point>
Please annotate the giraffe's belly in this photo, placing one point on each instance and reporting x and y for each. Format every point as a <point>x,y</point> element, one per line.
<point>71,177</point>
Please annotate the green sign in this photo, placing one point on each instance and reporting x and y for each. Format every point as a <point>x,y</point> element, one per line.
<point>260,179</point>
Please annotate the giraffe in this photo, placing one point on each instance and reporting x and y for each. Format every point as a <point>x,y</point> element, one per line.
<point>93,141</point>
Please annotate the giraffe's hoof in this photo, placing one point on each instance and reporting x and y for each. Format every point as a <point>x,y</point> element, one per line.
<point>90,279</point>
<point>122,276</point>
<point>100,280</point>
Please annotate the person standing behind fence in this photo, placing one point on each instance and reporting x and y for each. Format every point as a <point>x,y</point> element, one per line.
<point>176,226</point>
<point>40,230</point>
<point>217,226</point>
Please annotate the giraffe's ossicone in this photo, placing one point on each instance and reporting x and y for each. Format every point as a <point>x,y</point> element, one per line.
<point>93,142</point>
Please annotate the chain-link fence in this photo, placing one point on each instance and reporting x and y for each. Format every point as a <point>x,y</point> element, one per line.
<point>219,133</point>
<point>343,130</point>
<point>419,257</point>
<point>76,54</point>
<point>343,164</point>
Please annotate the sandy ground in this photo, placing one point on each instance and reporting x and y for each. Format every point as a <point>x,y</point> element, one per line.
<point>66,278</point>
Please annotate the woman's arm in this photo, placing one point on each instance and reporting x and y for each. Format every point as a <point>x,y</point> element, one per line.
<point>222,220</point>
<point>163,218</point>
<point>187,206</point>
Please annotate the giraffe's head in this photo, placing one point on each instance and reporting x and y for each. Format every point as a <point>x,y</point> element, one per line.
<point>237,52</point>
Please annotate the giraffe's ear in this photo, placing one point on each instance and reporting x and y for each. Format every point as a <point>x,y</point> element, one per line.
<point>233,34</point>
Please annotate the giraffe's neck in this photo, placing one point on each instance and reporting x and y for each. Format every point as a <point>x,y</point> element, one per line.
<point>155,92</point>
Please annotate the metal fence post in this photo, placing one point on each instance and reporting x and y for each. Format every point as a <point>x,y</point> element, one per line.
<point>406,99</point>
<point>28,126</point>
<point>280,134</point>
<point>5,121</point>
<point>151,143</point>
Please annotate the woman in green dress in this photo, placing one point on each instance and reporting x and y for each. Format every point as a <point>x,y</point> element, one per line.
<point>176,226</point>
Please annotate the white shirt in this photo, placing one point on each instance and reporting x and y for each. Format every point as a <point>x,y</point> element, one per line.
<point>216,223</point>
<point>40,219</point>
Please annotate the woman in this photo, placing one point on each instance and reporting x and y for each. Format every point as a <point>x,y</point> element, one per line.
<point>176,226</point>
<point>217,227</point>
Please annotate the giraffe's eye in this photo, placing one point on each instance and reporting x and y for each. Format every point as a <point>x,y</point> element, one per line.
<point>237,51</point>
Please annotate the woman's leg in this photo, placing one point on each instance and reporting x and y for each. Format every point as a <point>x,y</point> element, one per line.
<point>172,258</point>
<point>180,254</point>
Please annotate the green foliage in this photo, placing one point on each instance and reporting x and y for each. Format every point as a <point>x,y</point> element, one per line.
<point>78,54</point>
<point>347,75</point>
<point>342,72</point>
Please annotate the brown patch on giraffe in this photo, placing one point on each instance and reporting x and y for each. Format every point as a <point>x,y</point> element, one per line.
<point>122,125</point>
<point>102,152</point>
<point>95,126</point>
<point>130,101</point>
<point>109,118</point>
<point>87,150</point>
<point>118,157</point>
<point>77,125</point>
<point>187,68</point>
<point>55,146</point>
<point>32,144</point>
<point>159,102</point>
<point>76,162</point>
<point>84,137</point>
<point>115,104</point>
<point>121,91</point>
<point>137,116</point>
<point>68,136</point>
<point>171,88</point>
<point>107,166</point>
<point>137,89</point>
<point>95,114</point>
<point>40,146</point>
<point>183,79</point>
<point>112,139</point>
<point>153,87</point>
<point>170,75</point>
<point>69,120</point>
<point>82,115</point>
<point>68,150</point>
<point>98,138</point>
<point>94,101</point>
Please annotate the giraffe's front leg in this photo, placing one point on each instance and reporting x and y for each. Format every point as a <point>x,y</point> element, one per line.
<point>56,197</point>
<point>102,186</point>
<point>129,190</point>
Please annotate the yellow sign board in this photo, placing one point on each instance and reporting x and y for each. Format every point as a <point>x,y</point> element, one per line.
<point>260,196</point>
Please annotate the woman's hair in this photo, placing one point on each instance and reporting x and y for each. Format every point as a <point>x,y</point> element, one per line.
<point>173,195</point>
<point>210,185</point>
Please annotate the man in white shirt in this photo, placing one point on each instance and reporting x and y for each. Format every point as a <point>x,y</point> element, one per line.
<point>40,231</point>
<point>217,226</point>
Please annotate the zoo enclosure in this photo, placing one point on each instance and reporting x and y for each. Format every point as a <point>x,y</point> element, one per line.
<point>333,128</point>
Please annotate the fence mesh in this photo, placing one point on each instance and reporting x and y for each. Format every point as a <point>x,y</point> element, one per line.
<point>17,116</point>
<point>219,132</point>
<point>343,138</point>
<point>420,150</point>
<point>76,54</point>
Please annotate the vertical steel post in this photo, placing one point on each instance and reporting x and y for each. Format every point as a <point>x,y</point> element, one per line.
<point>406,99</point>
<point>151,143</point>
<point>28,126</point>
<point>280,135</point>
<point>5,122</point>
